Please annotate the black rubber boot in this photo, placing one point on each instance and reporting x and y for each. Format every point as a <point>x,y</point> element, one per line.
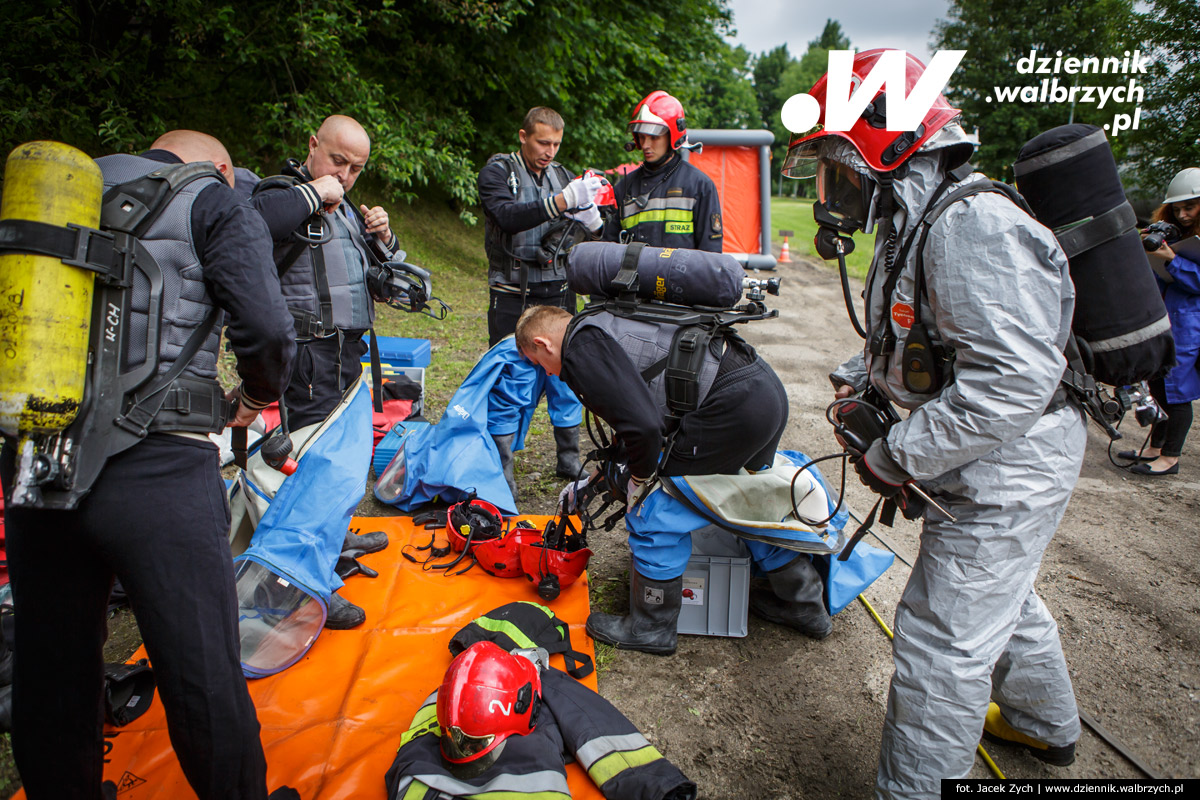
<point>566,443</point>
<point>371,542</point>
<point>343,614</point>
<point>796,598</point>
<point>653,621</point>
<point>504,445</point>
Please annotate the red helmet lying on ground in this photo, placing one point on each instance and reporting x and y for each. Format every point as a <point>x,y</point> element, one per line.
<point>486,696</point>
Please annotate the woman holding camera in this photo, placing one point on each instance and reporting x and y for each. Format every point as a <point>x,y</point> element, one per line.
<point>1175,392</point>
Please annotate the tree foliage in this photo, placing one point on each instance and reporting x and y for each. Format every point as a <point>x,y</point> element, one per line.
<point>997,33</point>
<point>1168,139</point>
<point>439,84</point>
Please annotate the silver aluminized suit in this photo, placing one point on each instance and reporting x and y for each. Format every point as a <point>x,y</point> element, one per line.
<point>969,624</point>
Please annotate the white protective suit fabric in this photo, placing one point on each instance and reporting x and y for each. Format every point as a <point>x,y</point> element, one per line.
<point>969,624</point>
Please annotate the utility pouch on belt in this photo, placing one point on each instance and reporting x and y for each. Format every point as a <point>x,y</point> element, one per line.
<point>524,625</point>
<point>128,691</point>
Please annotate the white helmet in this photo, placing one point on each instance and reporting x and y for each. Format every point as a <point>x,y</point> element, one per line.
<point>1184,186</point>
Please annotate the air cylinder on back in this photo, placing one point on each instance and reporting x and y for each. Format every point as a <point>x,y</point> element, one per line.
<point>669,275</point>
<point>1069,178</point>
<point>45,305</point>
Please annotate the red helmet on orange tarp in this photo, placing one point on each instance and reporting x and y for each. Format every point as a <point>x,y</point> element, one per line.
<point>478,519</point>
<point>502,557</point>
<point>538,561</point>
<point>486,696</point>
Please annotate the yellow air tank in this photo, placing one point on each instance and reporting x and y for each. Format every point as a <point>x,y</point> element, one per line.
<point>45,305</point>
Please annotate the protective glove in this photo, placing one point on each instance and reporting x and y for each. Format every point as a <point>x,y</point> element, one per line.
<point>581,191</point>
<point>566,498</point>
<point>633,490</point>
<point>589,217</point>
<point>879,472</point>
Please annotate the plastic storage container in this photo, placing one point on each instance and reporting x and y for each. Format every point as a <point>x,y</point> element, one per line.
<point>716,586</point>
<point>399,352</point>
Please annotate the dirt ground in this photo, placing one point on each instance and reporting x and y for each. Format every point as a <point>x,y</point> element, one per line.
<point>777,715</point>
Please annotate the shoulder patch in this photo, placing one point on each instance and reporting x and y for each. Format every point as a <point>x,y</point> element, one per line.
<point>716,223</point>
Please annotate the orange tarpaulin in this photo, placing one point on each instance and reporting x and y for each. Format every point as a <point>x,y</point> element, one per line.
<point>735,171</point>
<point>331,723</point>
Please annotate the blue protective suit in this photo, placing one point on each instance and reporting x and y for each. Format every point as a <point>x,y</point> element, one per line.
<point>445,461</point>
<point>660,537</point>
<point>1182,298</point>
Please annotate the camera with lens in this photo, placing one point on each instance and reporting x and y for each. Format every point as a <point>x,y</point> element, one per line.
<point>1159,233</point>
<point>1139,400</point>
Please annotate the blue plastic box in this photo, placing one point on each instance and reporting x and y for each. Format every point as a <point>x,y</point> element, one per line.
<point>404,352</point>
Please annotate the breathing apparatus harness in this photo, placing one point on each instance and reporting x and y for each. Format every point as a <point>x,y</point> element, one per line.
<point>562,234</point>
<point>696,327</point>
<point>121,406</point>
<point>927,363</point>
<point>400,285</point>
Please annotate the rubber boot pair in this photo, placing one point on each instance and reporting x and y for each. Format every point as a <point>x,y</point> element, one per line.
<point>653,621</point>
<point>504,447</point>
<point>566,445</point>
<point>996,729</point>
<point>794,596</point>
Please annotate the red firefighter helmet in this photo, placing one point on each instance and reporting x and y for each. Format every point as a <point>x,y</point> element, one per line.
<point>474,516</point>
<point>486,696</point>
<point>502,557</point>
<point>883,150</point>
<point>660,113</point>
<point>537,561</point>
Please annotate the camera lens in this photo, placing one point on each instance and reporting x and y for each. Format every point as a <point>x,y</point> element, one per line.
<point>1153,241</point>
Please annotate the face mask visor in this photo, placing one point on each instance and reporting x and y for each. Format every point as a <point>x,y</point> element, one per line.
<point>844,195</point>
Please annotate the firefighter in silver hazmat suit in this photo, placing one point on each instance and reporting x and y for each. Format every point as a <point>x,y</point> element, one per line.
<point>996,444</point>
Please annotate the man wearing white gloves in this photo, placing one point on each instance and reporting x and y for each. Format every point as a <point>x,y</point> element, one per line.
<point>530,206</point>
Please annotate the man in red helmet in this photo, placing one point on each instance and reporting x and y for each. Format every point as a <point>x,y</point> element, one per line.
<point>665,202</point>
<point>969,305</point>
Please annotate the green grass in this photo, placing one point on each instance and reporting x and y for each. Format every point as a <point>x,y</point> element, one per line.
<point>795,214</point>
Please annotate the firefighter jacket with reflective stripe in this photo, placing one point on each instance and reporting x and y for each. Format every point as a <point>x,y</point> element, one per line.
<point>673,206</point>
<point>334,297</point>
<point>647,344</point>
<point>575,722</point>
<point>508,253</point>
<point>185,299</point>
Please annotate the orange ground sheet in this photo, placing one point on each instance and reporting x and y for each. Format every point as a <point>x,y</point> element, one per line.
<point>332,722</point>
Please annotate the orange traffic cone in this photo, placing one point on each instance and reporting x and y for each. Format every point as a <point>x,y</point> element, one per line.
<point>784,256</point>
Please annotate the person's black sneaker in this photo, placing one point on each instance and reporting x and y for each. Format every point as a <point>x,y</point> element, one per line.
<point>996,729</point>
<point>343,614</point>
<point>366,543</point>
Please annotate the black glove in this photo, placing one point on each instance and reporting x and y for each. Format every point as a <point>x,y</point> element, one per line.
<point>879,472</point>
<point>882,475</point>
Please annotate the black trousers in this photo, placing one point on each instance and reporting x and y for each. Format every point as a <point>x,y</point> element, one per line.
<point>1169,436</point>
<point>323,370</point>
<point>504,308</point>
<point>157,519</point>
<point>739,424</point>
